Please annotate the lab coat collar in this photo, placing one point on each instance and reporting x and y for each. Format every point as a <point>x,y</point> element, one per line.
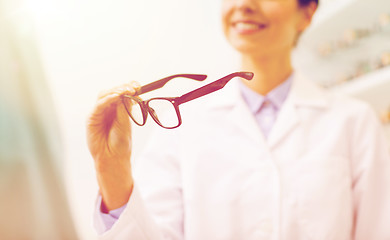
<point>303,94</point>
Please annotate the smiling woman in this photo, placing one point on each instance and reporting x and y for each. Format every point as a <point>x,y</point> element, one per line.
<point>277,157</point>
<point>265,33</point>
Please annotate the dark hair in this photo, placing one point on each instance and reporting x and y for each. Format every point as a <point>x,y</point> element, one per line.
<point>306,2</point>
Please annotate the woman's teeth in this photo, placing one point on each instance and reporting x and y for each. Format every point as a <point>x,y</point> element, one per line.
<point>247,26</point>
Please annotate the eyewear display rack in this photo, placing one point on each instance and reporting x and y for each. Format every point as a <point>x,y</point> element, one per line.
<point>347,49</point>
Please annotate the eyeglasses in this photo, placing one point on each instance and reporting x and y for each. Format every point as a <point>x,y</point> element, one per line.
<point>139,109</point>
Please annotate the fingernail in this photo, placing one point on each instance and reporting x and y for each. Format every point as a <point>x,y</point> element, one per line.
<point>135,84</point>
<point>131,91</point>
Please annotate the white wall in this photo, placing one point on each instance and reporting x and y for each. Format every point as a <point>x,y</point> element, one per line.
<point>91,45</point>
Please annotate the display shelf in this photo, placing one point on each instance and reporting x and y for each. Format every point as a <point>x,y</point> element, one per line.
<point>328,9</point>
<point>379,79</point>
<point>334,19</point>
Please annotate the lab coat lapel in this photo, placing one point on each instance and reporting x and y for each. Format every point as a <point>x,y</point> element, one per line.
<point>303,94</point>
<point>246,122</point>
<point>239,113</point>
<point>286,121</point>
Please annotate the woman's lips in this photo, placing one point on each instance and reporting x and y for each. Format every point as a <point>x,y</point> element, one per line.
<point>246,27</point>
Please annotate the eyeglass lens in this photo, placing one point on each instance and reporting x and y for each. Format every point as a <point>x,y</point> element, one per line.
<point>134,109</point>
<point>164,112</point>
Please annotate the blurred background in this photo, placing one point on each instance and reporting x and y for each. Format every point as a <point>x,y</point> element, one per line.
<point>86,46</point>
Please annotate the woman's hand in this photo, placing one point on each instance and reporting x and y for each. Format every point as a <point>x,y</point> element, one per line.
<point>109,141</point>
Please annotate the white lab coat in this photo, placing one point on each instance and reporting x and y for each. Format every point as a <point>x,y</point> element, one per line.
<point>322,174</point>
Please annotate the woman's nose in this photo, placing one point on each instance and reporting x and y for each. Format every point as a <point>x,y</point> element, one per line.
<point>246,6</point>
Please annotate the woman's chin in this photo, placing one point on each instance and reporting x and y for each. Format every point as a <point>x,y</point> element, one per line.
<point>260,48</point>
<point>248,50</point>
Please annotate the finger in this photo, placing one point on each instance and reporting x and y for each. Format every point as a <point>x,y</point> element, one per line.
<point>103,104</point>
<point>108,111</point>
<point>135,85</point>
<point>118,90</point>
<point>129,88</point>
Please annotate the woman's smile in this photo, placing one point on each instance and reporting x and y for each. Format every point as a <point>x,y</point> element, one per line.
<point>245,27</point>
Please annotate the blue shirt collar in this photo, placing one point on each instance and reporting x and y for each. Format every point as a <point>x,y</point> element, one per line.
<point>276,96</point>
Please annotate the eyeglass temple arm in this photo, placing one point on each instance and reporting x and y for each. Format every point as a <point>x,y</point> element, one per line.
<point>160,83</point>
<point>212,87</point>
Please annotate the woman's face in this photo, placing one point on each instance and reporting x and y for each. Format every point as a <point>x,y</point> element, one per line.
<point>264,27</point>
